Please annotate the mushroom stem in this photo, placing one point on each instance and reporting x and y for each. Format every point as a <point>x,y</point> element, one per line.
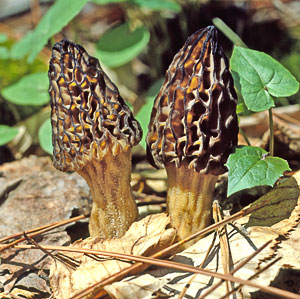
<point>189,199</point>
<point>114,208</point>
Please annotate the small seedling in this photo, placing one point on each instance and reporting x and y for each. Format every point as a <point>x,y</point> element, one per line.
<point>260,79</point>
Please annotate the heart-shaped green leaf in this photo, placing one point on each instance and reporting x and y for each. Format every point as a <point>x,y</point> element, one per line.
<point>120,45</point>
<point>45,136</point>
<point>7,134</point>
<point>260,78</point>
<point>30,90</point>
<point>251,166</point>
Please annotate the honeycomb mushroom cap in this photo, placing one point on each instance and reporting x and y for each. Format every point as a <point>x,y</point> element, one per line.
<point>194,119</point>
<point>89,117</point>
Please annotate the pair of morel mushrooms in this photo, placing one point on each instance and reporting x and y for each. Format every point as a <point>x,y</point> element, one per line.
<point>192,131</point>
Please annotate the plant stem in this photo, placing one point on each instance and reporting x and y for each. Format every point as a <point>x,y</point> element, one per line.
<point>271,126</point>
<point>245,136</point>
<point>237,41</point>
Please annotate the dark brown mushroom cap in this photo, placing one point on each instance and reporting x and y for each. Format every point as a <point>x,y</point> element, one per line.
<point>194,117</point>
<point>89,118</point>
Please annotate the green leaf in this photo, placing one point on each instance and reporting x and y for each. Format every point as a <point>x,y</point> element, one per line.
<point>157,4</point>
<point>120,45</point>
<point>30,90</point>
<point>250,166</point>
<point>4,53</point>
<point>20,49</point>
<point>7,134</point>
<point>241,108</point>
<point>45,136</point>
<point>143,116</point>
<point>58,16</point>
<point>261,77</point>
<point>3,38</point>
<point>103,2</point>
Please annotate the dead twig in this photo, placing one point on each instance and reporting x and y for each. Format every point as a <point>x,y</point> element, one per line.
<point>33,242</point>
<point>185,288</point>
<point>168,264</point>
<point>36,231</point>
<point>256,274</point>
<point>239,266</point>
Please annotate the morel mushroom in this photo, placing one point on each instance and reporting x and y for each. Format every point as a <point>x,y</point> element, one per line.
<point>193,129</point>
<point>93,132</point>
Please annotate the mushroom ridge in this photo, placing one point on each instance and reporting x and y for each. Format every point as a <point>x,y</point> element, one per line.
<point>193,120</point>
<point>89,117</point>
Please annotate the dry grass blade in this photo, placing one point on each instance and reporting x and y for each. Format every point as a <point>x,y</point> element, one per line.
<point>255,275</point>
<point>184,290</point>
<point>239,266</point>
<point>33,242</point>
<point>168,264</point>
<point>139,267</point>
<point>37,231</point>
<point>67,260</point>
<point>224,244</point>
<point>141,264</point>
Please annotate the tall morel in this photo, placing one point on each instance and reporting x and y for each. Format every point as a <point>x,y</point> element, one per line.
<point>93,132</point>
<point>194,128</point>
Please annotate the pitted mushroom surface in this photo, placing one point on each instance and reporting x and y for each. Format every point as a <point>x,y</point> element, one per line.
<point>193,128</point>
<point>89,117</point>
<point>193,119</point>
<point>93,132</point>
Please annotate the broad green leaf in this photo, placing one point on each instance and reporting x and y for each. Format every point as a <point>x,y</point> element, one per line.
<point>45,136</point>
<point>4,53</point>
<point>3,38</point>
<point>143,116</point>
<point>260,78</point>
<point>149,4</point>
<point>30,90</point>
<point>58,16</point>
<point>7,134</point>
<point>157,4</point>
<point>251,166</point>
<point>236,79</point>
<point>20,49</point>
<point>103,2</point>
<point>120,45</point>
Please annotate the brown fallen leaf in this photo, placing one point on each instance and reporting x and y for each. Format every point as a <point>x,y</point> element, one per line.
<point>243,241</point>
<point>282,201</point>
<point>144,238</point>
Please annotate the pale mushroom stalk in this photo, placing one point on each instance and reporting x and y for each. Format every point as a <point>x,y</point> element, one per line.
<point>93,132</point>
<point>193,129</point>
<point>189,199</point>
<point>113,207</point>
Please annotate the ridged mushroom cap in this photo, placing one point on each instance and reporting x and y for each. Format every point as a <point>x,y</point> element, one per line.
<point>194,117</point>
<point>89,117</point>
